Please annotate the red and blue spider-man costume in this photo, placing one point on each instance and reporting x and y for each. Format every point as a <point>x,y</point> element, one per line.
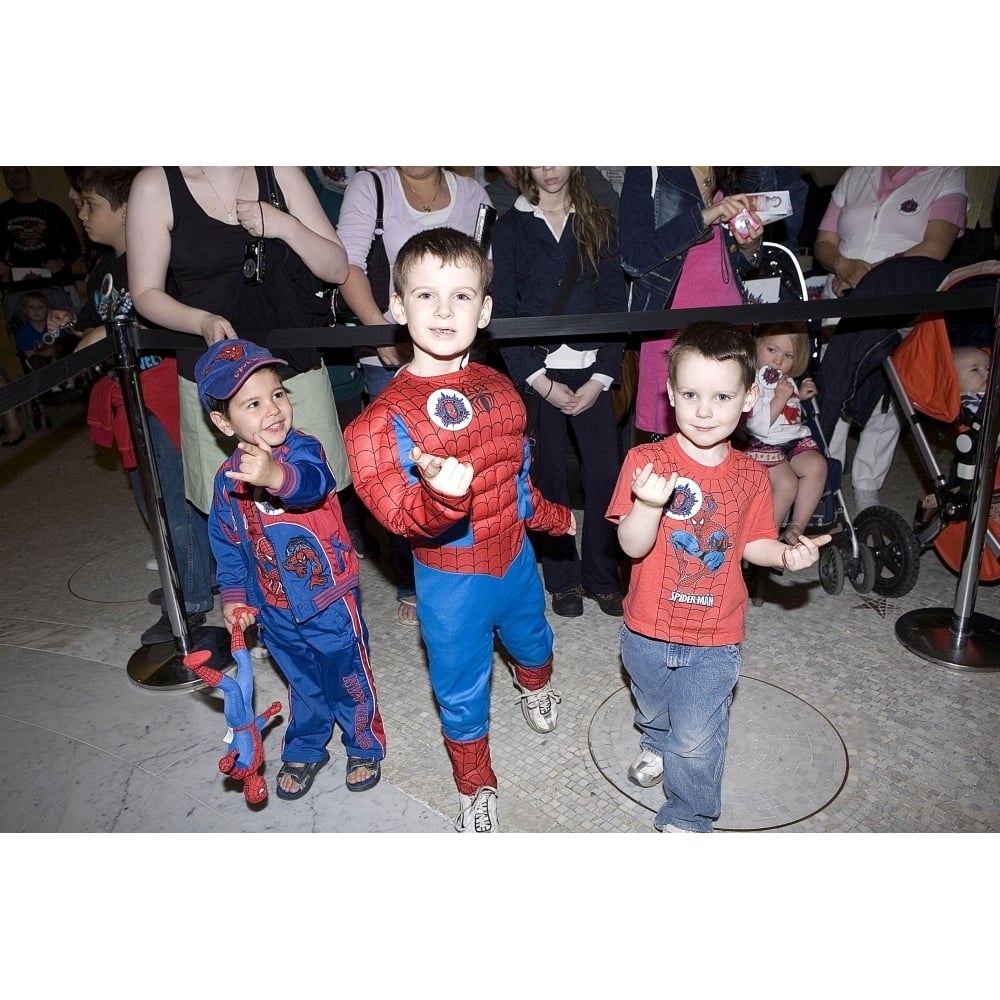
<point>474,568</point>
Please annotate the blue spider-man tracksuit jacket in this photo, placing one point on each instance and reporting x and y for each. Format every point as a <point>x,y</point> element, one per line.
<point>290,548</point>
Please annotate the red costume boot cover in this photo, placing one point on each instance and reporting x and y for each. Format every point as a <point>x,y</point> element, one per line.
<point>533,678</point>
<point>470,763</point>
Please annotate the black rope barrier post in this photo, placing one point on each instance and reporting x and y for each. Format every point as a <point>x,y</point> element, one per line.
<point>959,637</point>
<point>160,667</point>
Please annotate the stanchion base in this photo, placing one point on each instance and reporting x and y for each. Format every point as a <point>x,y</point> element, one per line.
<point>928,633</point>
<point>161,667</point>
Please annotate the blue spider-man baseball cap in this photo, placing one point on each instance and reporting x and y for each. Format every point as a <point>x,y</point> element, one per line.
<point>226,365</point>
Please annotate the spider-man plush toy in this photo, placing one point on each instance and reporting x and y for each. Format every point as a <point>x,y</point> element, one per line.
<point>246,758</point>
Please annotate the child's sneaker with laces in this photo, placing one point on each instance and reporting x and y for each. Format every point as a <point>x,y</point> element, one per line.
<point>540,707</point>
<point>646,770</point>
<point>479,812</point>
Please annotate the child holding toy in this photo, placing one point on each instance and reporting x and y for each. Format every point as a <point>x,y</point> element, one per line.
<point>778,438</point>
<point>280,543</point>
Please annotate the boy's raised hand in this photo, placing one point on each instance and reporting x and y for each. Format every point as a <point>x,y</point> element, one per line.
<point>257,467</point>
<point>651,488</point>
<point>448,475</point>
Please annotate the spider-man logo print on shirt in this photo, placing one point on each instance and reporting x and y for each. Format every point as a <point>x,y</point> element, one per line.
<point>700,546</point>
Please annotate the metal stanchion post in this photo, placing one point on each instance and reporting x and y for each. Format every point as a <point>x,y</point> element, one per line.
<point>160,667</point>
<point>958,637</point>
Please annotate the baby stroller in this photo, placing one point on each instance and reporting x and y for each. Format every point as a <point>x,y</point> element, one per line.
<point>844,558</point>
<point>922,376</point>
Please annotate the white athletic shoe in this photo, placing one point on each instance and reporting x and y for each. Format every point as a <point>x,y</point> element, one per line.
<point>479,812</point>
<point>539,708</point>
<point>646,770</point>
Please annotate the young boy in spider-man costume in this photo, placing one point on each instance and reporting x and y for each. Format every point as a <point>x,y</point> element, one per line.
<point>441,457</point>
<point>688,509</point>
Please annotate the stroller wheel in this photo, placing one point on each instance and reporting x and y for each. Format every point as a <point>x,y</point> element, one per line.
<point>894,546</point>
<point>863,579</point>
<point>831,569</point>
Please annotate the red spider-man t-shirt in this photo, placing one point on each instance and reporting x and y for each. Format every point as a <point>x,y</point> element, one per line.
<point>477,416</point>
<point>689,587</point>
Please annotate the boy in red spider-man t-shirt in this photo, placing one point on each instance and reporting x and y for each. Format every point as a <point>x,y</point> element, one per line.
<point>441,458</point>
<point>688,509</point>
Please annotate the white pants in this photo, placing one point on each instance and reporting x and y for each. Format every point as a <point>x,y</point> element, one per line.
<point>876,447</point>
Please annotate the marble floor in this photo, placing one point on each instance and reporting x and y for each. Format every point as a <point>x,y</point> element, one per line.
<point>838,727</point>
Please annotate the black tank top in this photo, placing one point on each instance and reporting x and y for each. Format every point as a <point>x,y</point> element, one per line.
<point>206,265</point>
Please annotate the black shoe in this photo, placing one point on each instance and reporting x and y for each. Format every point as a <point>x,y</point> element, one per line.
<point>162,630</point>
<point>568,604</point>
<point>611,604</point>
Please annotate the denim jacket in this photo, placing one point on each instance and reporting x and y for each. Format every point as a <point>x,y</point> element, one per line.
<point>658,226</point>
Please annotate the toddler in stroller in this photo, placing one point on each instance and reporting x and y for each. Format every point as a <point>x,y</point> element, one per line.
<point>783,433</point>
<point>777,436</point>
<point>939,371</point>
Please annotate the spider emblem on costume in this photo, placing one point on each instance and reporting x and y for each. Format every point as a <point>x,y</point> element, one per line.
<point>700,547</point>
<point>449,409</point>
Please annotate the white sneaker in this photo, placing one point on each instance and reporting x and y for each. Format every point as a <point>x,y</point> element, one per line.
<point>539,707</point>
<point>646,770</point>
<point>479,813</point>
<point>153,565</point>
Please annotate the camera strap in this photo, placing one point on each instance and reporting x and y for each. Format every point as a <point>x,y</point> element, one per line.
<point>271,190</point>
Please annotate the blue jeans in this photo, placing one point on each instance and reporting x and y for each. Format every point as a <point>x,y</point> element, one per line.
<point>186,525</point>
<point>683,695</point>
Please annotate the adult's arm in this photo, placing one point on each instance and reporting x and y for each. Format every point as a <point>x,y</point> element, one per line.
<point>644,246</point>
<point>939,238</point>
<point>356,229</point>
<point>147,235</point>
<point>304,227</point>
<point>520,358</point>
<point>847,270</point>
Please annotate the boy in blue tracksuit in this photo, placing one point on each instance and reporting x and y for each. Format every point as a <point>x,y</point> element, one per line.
<point>281,546</point>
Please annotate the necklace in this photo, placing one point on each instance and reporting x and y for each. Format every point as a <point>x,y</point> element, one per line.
<point>230,213</point>
<point>424,206</point>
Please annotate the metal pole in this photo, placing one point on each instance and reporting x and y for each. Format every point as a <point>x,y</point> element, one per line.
<point>959,637</point>
<point>159,667</point>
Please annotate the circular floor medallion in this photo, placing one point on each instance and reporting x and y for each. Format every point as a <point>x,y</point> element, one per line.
<point>117,576</point>
<point>785,759</point>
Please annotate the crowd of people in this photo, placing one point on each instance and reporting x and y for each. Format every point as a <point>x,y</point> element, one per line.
<point>462,454</point>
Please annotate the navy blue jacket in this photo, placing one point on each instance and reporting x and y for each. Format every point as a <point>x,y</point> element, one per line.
<point>528,268</point>
<point>656,230</point>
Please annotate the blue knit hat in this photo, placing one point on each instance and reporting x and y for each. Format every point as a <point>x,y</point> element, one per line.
<point>226,365</point>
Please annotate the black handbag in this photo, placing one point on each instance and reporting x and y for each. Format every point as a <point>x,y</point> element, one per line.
<point>376,264</point>
<point>301,299</point>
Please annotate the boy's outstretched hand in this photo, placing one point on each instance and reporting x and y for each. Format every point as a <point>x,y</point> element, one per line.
<point>448,475</point>
<point>803,553</point>
<point>257,467</point>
